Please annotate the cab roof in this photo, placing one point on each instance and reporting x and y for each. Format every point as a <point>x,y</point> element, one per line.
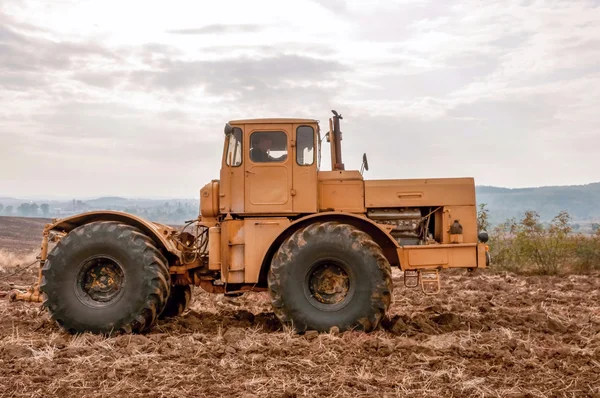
<point>272,120</point>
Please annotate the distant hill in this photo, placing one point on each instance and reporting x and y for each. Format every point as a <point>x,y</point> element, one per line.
<point>8,201</point>
<point>581,201</point>
<point>107,201</point>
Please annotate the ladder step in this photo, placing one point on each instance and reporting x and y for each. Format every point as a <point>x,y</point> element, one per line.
<point>430,281</point>
<point>411,278</point>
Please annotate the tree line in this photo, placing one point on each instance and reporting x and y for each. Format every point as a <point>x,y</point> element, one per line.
<point>26,210</point>
<point>167,212</point>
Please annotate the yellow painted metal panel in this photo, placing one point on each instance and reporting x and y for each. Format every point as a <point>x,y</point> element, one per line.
<point>420,192</point>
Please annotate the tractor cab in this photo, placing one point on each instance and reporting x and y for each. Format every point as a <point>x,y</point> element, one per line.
<point>269,167</point>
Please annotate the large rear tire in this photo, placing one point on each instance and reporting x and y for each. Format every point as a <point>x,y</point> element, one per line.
<point>330,274</point>
<point>105,277</point>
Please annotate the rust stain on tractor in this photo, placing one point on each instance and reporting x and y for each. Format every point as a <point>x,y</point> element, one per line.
<point>101,279</point>
<point>329,284</point>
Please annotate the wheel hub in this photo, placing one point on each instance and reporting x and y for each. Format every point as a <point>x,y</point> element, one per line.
<point>100,279</point>
<point>329,283</point>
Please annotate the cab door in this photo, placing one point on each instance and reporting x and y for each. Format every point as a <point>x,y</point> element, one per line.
<point>305,169</point>
<point>268,186</point>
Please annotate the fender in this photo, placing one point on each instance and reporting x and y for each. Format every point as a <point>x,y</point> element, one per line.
<point>380,235</point>
<point>159,233</point>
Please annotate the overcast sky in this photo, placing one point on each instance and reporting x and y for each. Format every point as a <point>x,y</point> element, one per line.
<point>129,98</point>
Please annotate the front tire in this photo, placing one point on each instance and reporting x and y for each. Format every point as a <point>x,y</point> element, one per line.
<point>327,275</point>
<point>105,277</point>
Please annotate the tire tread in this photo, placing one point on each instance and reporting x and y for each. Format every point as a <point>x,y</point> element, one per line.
<point>291,247</point>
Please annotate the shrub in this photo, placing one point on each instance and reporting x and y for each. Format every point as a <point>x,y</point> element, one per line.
<point>528,245</point>
<point>548,249</point>
<point>502,249</point>
<point>483,218</point>
<point>588,252</point>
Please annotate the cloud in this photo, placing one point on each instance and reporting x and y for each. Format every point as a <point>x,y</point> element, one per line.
<point>26,58</point>
<point>253,50</point>
<point>393,81</point>
<point>101,79</point>
<point>18,80</point>
<point>335,6</point>
<point>242,77</point>
<point>8,35</point>
<point>218,29</point>
<point>75,147</point>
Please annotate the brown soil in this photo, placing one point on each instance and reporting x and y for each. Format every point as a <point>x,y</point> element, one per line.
<point>20,234</point>
<point>486,334</point>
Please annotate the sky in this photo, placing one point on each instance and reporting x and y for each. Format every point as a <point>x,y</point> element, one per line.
<point>129,98</point>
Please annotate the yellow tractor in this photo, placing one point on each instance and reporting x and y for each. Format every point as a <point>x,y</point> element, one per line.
<point>322,243</point>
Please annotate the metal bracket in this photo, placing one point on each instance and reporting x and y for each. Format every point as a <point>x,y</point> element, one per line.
<point>31,295</point>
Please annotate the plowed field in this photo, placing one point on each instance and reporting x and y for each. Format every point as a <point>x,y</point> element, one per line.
<point>486,334</point>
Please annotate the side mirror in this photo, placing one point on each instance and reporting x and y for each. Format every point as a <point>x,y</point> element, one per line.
<point>365,164</point>
<point>228,129</point>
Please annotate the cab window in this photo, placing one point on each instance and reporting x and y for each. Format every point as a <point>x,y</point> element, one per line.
<point>305,146</point>
<point>268,146</point>
<point>234,148</point>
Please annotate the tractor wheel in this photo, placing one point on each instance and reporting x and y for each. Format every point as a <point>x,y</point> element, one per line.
<point>105,277</point>
<point>178,301</point>
<point>327,275</point>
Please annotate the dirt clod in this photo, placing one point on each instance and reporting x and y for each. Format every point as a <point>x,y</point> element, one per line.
<point>396,325</point>
<point>59,342</point>
<point>258,358</point>
<point>232,336</point>
<point>556,327</point>
<point>70,352</point>
<point>447,319</point>
<point>12,352</point>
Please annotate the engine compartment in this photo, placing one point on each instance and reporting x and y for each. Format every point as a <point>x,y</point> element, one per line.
<point>412,225</point>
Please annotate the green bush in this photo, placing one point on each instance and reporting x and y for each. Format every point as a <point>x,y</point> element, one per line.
<point>502,248</point>
<point>547,249</point>
<point>530,246</point>
<point>588,252</point>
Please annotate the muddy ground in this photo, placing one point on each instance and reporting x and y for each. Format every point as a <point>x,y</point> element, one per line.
<point>486,334</point>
